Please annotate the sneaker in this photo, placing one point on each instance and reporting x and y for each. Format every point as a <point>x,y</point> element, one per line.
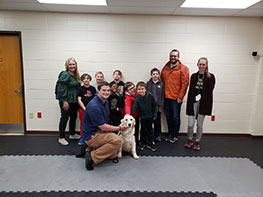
<point>81,141</point>
<point>152,147</point>
<point>172,139</point>
<point>74,137</point>
<point>63,141</point>
<point>165,138</point>
<point>142,147</point>
<point>197,146</point>
<point>88,162</point>
<point>189,144</point>
<point>158,139</point>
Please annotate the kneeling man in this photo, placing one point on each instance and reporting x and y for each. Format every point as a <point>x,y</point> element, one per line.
<point>97,134</point>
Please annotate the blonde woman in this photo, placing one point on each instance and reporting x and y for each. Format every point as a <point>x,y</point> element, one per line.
<point>67,89</point>
<point>199,101</point>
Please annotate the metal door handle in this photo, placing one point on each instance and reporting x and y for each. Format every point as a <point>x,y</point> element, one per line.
<point>20,89</point>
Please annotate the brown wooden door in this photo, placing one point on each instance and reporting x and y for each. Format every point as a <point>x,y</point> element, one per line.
<point>11,93</point>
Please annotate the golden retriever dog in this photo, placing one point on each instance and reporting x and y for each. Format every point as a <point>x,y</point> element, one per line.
<point>129,144</point>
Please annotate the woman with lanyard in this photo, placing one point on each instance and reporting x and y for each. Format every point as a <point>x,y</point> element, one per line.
<point>199,101</point>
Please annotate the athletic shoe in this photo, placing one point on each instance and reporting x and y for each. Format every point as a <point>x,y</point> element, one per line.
<point>142,147</point>
<point>63,141</point>
<point>74,137</point>
<point>189,144</point>
<point>152,147</point>
<point>166,139</point>
<point>81,141</point>
<point>197,146</point>
<point>88,162</point>
<point>172,139</point>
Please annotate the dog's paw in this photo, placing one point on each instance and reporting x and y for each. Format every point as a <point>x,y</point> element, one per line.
<point>119,155</point>
<point>136,157</point>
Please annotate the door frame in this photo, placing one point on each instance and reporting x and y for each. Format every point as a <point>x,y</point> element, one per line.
<point>18,33</point>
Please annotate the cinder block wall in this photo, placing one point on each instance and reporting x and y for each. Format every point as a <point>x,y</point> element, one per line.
<point>135,44</point>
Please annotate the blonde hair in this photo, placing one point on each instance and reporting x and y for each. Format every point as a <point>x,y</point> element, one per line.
<point>206,70</point>
<point>76,71</point>
<point>99,72</point>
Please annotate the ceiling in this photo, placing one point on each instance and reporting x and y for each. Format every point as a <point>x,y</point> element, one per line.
<point>152,7</point>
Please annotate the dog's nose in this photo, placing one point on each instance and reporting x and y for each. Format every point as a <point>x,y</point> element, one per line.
<point>129,124</point>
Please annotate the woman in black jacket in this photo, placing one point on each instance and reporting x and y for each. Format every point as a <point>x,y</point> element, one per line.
<point>199,101</point>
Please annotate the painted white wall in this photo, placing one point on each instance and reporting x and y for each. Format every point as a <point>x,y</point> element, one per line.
<point>135,44</point>
<point>256,127</point>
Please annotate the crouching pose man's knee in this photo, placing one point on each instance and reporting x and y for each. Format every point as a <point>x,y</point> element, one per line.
<point>97,134</point>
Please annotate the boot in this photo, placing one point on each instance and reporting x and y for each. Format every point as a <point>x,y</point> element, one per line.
<point>82,153</point>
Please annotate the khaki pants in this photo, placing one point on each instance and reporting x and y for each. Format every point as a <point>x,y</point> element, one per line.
<point>106,145</point>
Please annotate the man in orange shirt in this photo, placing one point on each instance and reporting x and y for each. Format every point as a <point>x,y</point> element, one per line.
<point>175,77</point>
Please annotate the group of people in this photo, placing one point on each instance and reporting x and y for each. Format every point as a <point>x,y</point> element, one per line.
<point>102,105</point>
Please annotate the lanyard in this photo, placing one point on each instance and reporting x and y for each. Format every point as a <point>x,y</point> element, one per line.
<point>200,82</point>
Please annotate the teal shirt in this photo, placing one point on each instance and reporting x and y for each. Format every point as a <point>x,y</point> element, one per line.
<point>68,87</point>
<point>147,106</point>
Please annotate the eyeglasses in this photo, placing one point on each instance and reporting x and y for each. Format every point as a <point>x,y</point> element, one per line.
<point>131,88</point>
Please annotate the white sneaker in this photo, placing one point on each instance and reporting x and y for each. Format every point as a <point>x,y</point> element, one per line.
<point>63,141</point>
<point>74,137</point>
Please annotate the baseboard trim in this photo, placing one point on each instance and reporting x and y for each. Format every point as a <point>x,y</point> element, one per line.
<point>180,134</point>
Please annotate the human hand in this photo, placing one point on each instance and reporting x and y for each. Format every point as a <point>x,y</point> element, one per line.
<point>122,127</point>
<point>65,105</point>
<point>179,100</point>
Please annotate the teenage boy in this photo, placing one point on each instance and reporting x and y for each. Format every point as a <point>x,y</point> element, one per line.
<point>85,94</point>
<point>147,112</point>
<point>155,86</point>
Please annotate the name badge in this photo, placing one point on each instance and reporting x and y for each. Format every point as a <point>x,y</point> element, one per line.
<point>198,97</point>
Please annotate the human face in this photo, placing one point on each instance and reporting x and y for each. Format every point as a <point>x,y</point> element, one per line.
<point>174,57</point>
<point>131,90</point>
<point>155,76</point>
<point>114,88</point>
<point>86,81</point>
<point>99,78</point>
<point>104,92</point>
<point>141,90</point>
<point>202,65</point>
<point>116,76</point>
<point>72,66</point>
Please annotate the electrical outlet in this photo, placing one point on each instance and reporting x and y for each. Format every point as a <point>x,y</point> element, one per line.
<point>31,115</point>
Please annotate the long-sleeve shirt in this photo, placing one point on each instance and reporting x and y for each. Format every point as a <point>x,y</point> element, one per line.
<point>147,106</point>
<point>67,87</point>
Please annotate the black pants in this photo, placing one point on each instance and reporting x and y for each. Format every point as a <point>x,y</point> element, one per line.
<point>146,131</point>
<point>157,125</point>
<point>72,113</point>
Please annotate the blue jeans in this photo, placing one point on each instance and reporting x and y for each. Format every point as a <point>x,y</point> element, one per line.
<point>172,111</point>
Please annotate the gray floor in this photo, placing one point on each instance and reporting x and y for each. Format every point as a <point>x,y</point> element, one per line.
<point>227,177</point>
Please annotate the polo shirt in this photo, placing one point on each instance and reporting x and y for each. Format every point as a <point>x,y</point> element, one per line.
<point>96,114</point>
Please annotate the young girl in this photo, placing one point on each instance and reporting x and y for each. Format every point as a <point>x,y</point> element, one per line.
<point>130,95</point>
<point>85,94</point>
